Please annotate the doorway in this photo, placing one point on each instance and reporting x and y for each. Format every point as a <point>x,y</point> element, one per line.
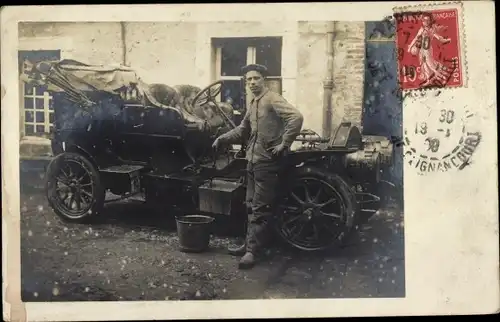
<point>382,105</point>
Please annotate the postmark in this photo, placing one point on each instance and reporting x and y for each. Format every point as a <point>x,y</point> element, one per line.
<point>441,139</point>
<point>430,46</point>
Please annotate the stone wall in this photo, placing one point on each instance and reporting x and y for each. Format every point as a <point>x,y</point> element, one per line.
<point>79,41</point>
<point>348,72</point>
<point>162,52</point>
<point>311,72</point>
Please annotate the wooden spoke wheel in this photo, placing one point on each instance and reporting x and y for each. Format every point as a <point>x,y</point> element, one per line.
<point>317,211</point>
<point>73,187</point>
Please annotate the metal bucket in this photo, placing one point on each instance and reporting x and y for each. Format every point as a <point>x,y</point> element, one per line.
<point>194,232</point>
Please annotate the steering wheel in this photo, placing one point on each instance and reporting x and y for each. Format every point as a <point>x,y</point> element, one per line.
<point>208,94</point>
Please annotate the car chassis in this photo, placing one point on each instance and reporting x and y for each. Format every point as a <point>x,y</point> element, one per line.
<point>112,134</point>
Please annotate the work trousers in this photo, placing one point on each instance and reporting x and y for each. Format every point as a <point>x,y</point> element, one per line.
<point>262,192</point>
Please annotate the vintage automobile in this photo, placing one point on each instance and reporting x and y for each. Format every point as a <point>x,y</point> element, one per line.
<point>112,132</point>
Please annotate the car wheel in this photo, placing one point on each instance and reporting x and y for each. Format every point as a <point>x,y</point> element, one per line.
<point>317,211</point>
<point>73,188</point>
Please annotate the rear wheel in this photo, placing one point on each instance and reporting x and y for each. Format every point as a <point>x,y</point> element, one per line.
<point>73,188</point>
<point>318,209</point>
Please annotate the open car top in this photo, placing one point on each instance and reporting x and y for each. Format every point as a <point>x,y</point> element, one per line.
<point>81,76</point>
<point>77,79</point>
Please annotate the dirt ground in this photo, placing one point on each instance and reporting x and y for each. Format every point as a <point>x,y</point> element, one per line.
<point>133,255</point>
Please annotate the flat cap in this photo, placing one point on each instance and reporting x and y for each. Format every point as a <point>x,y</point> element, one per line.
<point>255,67</point>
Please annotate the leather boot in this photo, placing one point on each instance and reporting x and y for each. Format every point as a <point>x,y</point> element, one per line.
<point>247,261</point>
<point>237,249</point>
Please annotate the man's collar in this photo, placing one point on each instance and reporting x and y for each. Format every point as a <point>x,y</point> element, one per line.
<point>264,92</point>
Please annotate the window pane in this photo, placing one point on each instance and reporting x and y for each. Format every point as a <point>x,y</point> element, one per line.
<point>234,56</point>
<point>28,89</point>
<point>39,103</point>
<point>233,91</point>
<point>268,53</point>
<point>40,129</point>
<point>28,103</point>
<point>51,103</point>
<point>40,117</point>
<point>40,89</point>
<point>29,129</point>
<point>51,129</point>
<point>51,118</point>
<point>28,116</point>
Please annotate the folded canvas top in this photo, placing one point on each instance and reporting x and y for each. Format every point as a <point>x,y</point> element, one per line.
<point>76,79</point>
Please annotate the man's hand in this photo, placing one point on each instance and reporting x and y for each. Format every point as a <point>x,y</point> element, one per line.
<point>279,150</point>
<point>216,145</point>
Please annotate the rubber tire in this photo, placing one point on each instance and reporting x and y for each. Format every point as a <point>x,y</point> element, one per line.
<point>99,193</point>
<point>346,193</point>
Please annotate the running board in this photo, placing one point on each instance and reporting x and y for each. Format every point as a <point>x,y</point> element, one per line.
<point>138,197</point>
<point>122,169</point>
<point>122,179</point>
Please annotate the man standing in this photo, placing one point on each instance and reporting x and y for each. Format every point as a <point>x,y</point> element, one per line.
<point>271,125</point>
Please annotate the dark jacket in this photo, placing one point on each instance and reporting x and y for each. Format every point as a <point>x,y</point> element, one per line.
<point>269,121</point>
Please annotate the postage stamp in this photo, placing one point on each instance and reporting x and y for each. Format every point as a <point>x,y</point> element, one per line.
<point>430,46</point>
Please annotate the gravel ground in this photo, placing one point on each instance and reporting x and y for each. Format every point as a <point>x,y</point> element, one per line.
<point>133,255</point>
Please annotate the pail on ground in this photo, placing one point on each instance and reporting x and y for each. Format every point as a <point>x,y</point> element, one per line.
<point>194,232</point>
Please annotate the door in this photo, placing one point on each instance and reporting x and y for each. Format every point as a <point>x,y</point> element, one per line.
<point>231,54</point>
<point>142,132</point>
<point>382,106</point>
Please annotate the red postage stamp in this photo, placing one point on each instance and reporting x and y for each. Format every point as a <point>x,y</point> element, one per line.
<point>429,48</point>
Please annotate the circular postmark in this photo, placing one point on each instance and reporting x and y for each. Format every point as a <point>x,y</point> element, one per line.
<point>440,140</point>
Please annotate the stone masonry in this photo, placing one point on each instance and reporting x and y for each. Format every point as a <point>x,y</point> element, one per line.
<point>348,72</point>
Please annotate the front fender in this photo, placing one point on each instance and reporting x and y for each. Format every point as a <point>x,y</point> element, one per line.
<point>75,148</point>
<point>77,143</point>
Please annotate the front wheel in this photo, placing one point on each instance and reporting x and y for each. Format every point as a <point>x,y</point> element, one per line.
<point>317,211</point>
<point>73,188</point>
